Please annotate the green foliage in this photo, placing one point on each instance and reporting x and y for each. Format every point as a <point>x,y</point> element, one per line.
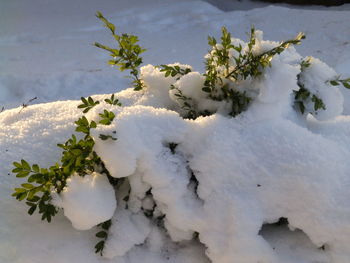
<point>37,190</point>
<point>84,126</point>
<point>127,55</point>
<point>103,235</point>
<point>240,101</point>
<point>77,157</point>
<point>218,65</point>
<point>300,97</point>
<point>219,56</point>
<point>227,65</point>
<point>174,71</point>
<point>249,64</point>
<point>104,137</point>
<point>186,104</point>
<point>303,96</point>
<point>87,104</point>
<point>338,81</point>
<point>106,117</point>
<point>318,103</point>
<point>113,101</point>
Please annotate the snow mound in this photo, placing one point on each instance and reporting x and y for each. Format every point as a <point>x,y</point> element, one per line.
<point>248,173</point>
<point>87,201</point>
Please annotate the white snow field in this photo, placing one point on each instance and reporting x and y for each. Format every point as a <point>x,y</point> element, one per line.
<point>268,163</point>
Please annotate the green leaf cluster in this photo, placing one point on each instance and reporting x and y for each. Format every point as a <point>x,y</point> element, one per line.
<point>113,101</point>
<point>78,157</point>
<point>127,55</point>
<point>338,81</point>
<point>174,71</point>
<point>37,190</point>
<point>106,117</point>
<point>84,126</point>
<point>224,71</point>
<point>103,235</point>
<point>186,103</point>
<point>303,96</point>
<point>87,104</point>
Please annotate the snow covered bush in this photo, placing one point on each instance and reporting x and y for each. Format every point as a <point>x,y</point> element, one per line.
<point>185,158</point>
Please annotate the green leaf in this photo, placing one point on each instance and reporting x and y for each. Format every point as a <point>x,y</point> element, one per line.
<point>99,246</point>
<point>106,225</point>
<point>101,234</point>
<point>22,174</point>
<point>206,89</point>
<point>106,137</point>
<point>20,190</point>
<point>27,186</point>
<point>346,85</point>
<point>25,165</point>
<point>22,196</point>
<point>32,209</point>
<point>34,199</point>
<point>18,165</point>
<point>17,170</point>
<point>334,82</point>
<point>35,168</point>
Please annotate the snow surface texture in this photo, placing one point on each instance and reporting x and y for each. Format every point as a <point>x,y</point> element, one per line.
<point>248,169</point>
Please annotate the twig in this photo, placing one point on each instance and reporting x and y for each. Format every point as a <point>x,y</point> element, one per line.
<point>24,105</point>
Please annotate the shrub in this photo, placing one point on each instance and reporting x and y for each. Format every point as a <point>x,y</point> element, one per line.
<point>232,69</point>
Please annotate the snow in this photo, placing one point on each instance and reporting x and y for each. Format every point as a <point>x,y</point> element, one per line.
<point>127,230</point>
<point>87,201</point>
<point>315,77</point>
<point>266,163</point>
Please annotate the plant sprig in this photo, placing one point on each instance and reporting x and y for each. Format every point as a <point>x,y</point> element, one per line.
<point>37,191</point>
<point>303,95</point>
<point>106,117</point>
<point>113,101</point>
<point>338,81</point>
<point>174,71</point>
<point>102,234</point>
<point>87,104</point>
<point>127,55</point>
<point>251,65</point>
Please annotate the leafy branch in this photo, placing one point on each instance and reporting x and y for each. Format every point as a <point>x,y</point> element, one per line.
<point>127,55</point>
<point>338,81</point>
<point>77,157</point>
<point>251,65</point>
<point>103,234</point>
<point>174,70</point>
<point>303,96</point>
